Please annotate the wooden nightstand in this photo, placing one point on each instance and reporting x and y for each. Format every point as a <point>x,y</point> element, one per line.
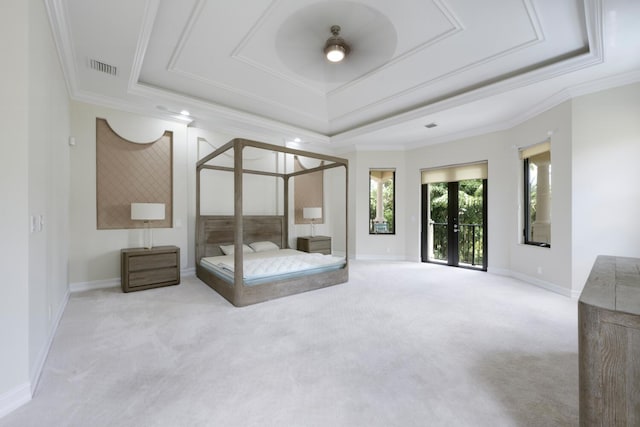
<point>318,244</point>
<point>149,268</point>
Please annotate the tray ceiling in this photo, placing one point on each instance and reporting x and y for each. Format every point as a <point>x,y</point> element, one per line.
<point>259,64</point>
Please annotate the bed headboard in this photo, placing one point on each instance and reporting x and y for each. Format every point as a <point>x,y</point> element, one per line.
<point>216,230</point>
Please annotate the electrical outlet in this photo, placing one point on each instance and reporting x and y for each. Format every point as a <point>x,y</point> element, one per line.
<point>539,270</point>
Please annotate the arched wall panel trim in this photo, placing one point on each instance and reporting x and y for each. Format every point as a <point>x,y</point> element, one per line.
<point>130,172</point>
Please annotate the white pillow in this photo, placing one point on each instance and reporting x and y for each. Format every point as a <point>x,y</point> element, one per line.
<point>264,246</point>
<point>230,249</point>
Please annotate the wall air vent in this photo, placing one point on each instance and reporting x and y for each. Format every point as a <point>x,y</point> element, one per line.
<point>103,67</point>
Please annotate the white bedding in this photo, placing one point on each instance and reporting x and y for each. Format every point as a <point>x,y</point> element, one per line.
<point>281,262</point>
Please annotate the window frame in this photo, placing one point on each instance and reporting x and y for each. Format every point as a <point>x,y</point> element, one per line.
<point>372,230</point>
<point>527,207</point>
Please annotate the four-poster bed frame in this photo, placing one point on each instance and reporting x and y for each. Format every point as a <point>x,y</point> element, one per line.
<point>215,230</point>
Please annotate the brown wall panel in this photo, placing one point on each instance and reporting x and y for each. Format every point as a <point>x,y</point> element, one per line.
<point>129,172</point>
<point>308,192</point>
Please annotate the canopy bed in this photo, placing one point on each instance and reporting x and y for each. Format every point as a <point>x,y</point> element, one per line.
<point>246,258</point>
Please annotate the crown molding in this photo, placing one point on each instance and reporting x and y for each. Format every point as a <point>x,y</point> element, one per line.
<point>150,13</point>
<point>605,83</point>
<point>551,71</point>
<point>229,116</point>
<point>128,107</point>
<point>593,55</point>
<point>61,36</point>
<point>556,99</point>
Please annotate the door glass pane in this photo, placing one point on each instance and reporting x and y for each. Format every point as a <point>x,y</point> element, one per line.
<point>437,244</point>
<point>470,220</point>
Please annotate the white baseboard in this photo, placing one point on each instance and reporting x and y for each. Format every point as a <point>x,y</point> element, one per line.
<point>96,284</point>
<point>499,271</point>
<point>381,258</point>
<point>36,370</point>
<point>13,399</point>
<point>115,282</point>
<point>544,284</point>
<point>571,293</point>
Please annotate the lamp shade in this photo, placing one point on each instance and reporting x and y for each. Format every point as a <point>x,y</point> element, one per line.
<point>312,213</point>
<point>147,211</point>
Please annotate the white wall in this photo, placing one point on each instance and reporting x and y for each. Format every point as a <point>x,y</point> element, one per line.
<point>49,128</point>
<point>199,143</point>
<point>335,192</point>
<point>605,189</point>
<point>376,246</point>
<point>549,267</point>
<point>496,150</point>
<point>595,147</point>
<point>35,122</point>
<point>94,255</point>
<point>14,211</point>
<point>352,203</point>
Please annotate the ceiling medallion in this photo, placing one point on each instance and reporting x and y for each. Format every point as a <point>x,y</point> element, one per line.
<point>336,48</point>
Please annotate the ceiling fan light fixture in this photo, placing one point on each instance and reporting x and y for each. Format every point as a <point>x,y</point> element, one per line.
<point>335,49</point>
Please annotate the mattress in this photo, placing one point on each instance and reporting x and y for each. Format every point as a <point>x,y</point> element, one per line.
<point>262,267</point>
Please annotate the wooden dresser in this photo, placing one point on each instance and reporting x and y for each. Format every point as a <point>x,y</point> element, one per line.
<point>609,343</point>
<point>318,244</point>
<point>149,268</point>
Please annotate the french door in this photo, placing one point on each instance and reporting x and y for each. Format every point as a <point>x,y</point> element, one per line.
<point>454,223</point>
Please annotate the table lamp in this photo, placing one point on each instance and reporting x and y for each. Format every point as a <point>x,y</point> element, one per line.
<point>147,212</point>
<point>312,214</point>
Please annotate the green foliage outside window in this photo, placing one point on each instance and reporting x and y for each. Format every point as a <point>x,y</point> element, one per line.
<point>470,212</point>
<point>388,203</point>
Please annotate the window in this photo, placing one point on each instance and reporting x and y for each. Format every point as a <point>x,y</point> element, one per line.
<point>537,194</point>
<point>382,201</point>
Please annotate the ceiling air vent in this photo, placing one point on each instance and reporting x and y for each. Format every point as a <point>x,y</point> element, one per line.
<point>103,67</point>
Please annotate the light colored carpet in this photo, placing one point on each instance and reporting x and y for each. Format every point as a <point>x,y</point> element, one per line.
<point>401,344</point>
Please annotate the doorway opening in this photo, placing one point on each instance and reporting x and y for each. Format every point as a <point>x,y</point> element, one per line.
<point>454,217</point>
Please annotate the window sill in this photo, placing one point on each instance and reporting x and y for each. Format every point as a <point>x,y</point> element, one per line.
<point>537,245</point>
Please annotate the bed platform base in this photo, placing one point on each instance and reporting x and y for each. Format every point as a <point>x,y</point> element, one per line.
<point>247,295</point>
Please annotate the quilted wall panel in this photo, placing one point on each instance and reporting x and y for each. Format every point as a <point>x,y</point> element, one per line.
<point>129,172</point>
<point>308,193</point>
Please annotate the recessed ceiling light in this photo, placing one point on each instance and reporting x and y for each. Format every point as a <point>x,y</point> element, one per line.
<point>185,113</point>
<point>297,140</point>
<point>430,125</point>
